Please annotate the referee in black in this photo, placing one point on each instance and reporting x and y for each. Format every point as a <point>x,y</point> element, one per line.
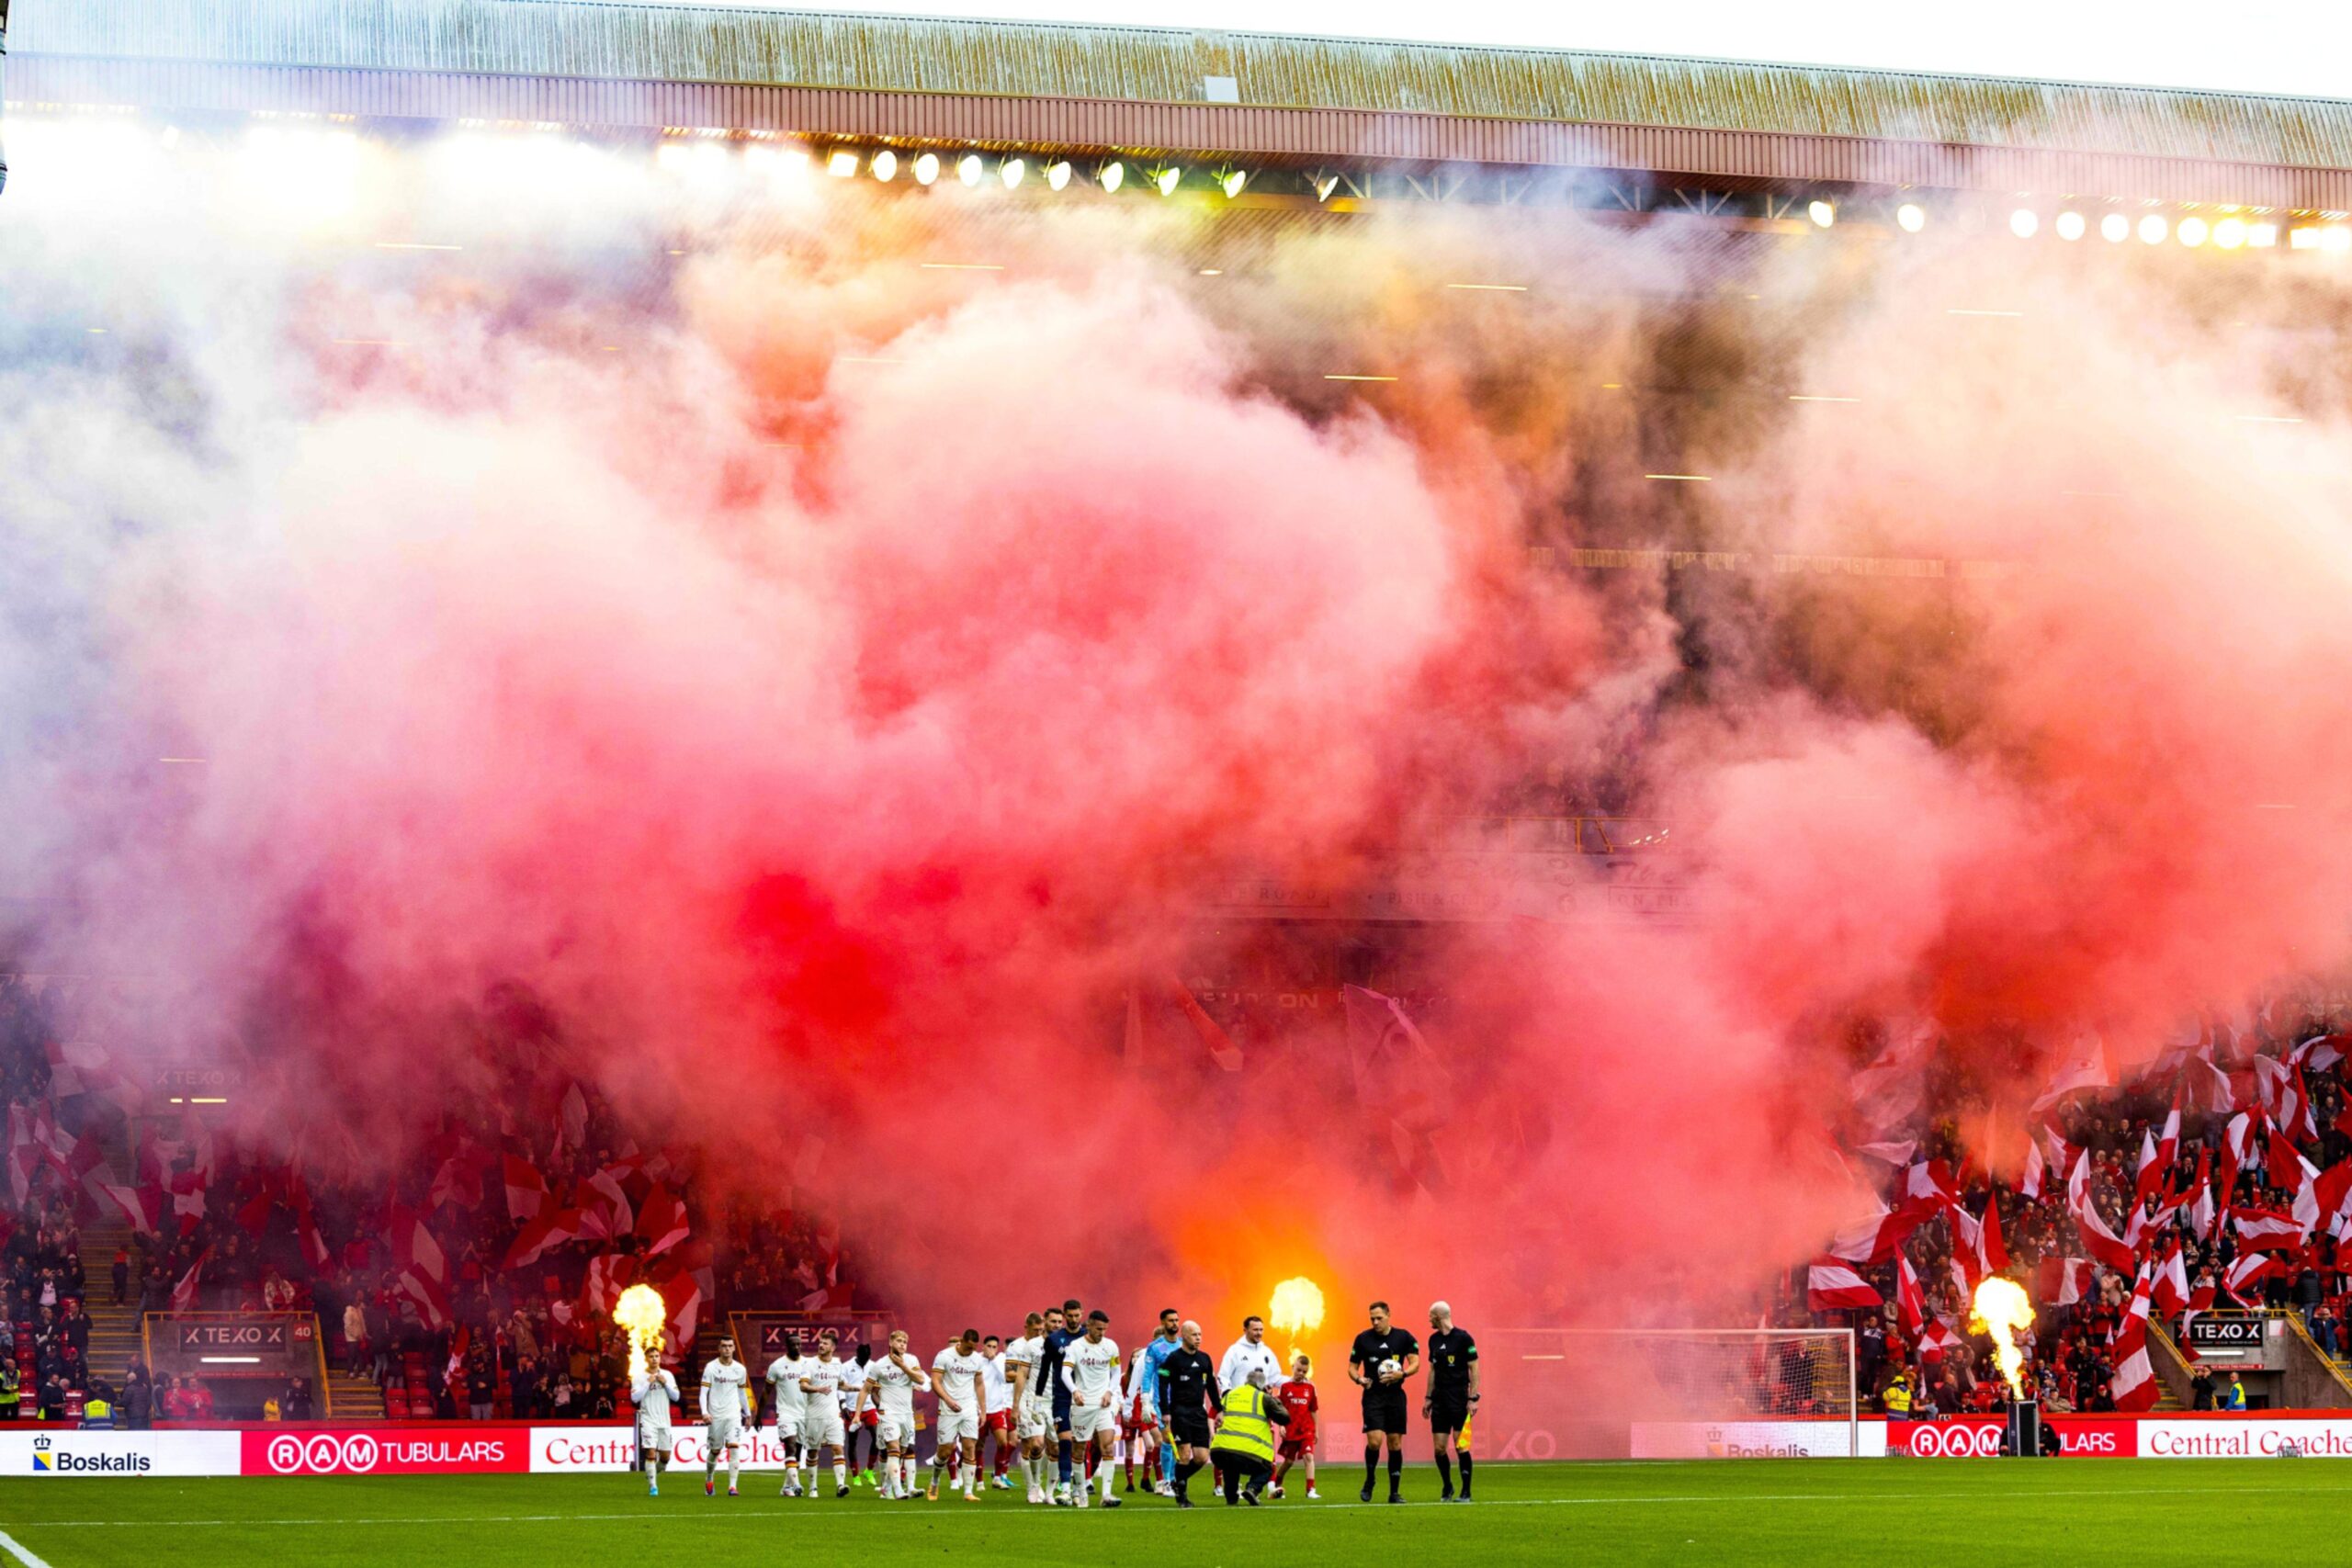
<point>1452,1395</point>
<point>1187,1393</point>
<point>1384,1395</point>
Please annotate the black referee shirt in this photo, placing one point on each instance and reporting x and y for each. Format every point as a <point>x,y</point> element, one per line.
<point>1370,1349</point>
<point>1186,1378</point>
<point>1452,1355</point>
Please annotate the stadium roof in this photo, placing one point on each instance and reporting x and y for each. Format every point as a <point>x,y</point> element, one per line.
<point>1140,89</point>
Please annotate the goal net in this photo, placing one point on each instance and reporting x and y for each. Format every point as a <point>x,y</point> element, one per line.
<point>1671,1392</point>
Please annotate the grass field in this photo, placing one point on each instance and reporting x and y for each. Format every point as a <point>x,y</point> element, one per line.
<point>1888,1514</point>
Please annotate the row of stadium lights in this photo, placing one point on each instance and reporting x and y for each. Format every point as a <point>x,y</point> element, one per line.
<point>971,170</point>
<point>2228,233</point>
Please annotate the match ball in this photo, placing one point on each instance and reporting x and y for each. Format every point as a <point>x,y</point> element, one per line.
<point>1391,1366</point>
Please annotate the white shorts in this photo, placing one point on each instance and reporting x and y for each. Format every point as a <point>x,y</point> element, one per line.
<point>898,1429</point>
<point>658,1438</point>
<point>787,1426</point>
<point>723,1432</point>
<point>1033,1419</point>
<point>958,1426</point>
<point>823,1427</point>
<point>1086,1420</point>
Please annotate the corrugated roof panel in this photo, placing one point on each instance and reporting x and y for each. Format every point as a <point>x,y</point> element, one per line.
<point>714,44</point>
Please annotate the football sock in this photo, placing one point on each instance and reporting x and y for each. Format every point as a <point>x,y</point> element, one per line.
<point>734,1466</point>
<point>841,1472</point>
<point>1444,1471</point>
<point>1371,1464</point>
<point>1465,1472</point>
<point>1396,1469</point>
<point>652,1471</point>
<point>1110,1473</point>
<point>1064,1456</point>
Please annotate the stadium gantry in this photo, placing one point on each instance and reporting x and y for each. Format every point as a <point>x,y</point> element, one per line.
<point>1264,120</point>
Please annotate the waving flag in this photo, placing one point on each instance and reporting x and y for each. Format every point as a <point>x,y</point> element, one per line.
<point>2135,1378</point>
<point>1831,1284</point>
<point>2103,1243</point>
<point>526,1189</point>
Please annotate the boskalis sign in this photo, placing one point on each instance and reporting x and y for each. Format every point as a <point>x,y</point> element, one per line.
<point>389,1451</point>
<point>50,1460</point>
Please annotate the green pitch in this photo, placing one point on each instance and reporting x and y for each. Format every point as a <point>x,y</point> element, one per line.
<point>1874,1512</point>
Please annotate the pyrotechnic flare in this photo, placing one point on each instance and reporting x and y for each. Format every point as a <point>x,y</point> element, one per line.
<point>641,1313</point>
<point>1297,1308</point>
<point>2001,1308</point>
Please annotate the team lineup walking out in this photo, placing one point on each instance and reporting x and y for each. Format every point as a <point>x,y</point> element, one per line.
<point>1063,1402</point>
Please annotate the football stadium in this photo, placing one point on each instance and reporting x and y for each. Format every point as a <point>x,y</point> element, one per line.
<point>784,782</point>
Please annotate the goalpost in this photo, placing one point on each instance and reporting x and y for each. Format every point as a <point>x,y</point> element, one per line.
<point>1676,1392</point>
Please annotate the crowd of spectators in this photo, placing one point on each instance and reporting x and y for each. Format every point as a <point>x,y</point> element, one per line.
<point>2070,1362</point>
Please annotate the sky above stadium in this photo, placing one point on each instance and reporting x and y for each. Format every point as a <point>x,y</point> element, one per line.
<point>2267,46</point>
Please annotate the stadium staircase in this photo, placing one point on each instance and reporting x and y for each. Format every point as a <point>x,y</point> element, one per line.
<point>114,1339</point>
<point>2170,1367</point>
<point>352,1399</point>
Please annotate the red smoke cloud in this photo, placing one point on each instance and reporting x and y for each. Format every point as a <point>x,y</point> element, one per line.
<point>830,686</point>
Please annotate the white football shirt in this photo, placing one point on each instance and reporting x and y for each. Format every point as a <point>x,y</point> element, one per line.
<point>1092,1370</point>
<point>960,1376</point>
<point>653,1395</point>
<point>893,1387</point>
<point>722,1388</point>
<point>783,1376</point>
<point>999,1386</point>
<point>852,1379</point>
<point>822,1378</point>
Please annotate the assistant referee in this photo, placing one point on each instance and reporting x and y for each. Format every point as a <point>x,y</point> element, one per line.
<point>1384,1395</point>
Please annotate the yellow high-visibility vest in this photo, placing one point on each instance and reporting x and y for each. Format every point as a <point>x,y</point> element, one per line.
<point>1245,1430</point>
<point>1898,1399</point>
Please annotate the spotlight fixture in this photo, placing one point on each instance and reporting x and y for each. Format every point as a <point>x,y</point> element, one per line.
<point>2152,228</point>
<point>1057,174</point>
<point>2071,225</point>
<point>1114,176</point>
<point>969,168</point>
<point>1011,171</point>
<point>926,168</point>
<point>1168,179</point>
<point>2262,236</point>
<point>1231,181</point>
<point>1823,213</point>
<point>1910,217</point>
<point>2230,233</point>
<point>2192,231</point>
<point>885,165</point>
<point>2024,222</point>
<point>1324,185</point>
<point>842,164</point>
<point>2115,228</point>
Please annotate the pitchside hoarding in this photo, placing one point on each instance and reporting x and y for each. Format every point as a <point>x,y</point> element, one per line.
<point>465,1448</point>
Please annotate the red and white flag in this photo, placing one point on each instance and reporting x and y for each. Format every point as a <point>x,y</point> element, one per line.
<point>2084,1067</point>
<point>187,1199</point>
<point>2156,1155</point>
<point>2320,1051</point>
<point>1831,1285</point>
<point>2259,1227</point>
<point>1910,1301</point>
<point>2102,1243</point>
<point>183,1294</point>
<point>2030,1185</point>
<point>2250,1269</point>
<point>2168,1290</point>
<point>2135,1378</point>
<point>526,1189</point>
<point>548,1229</point>
<point>2062,1281</point>
<point>662,1222</point>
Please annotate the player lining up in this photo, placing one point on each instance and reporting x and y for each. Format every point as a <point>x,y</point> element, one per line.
<point>655,1395</point>
<point>791,1404</point>
<point>821,1427</point>
<point>959,1376</point>
<point>725,1384</point>
<point>1091,1373</point>
<point>890,1388</point>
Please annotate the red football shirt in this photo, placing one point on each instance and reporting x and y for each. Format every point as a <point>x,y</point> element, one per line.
<point>1298,1398</point>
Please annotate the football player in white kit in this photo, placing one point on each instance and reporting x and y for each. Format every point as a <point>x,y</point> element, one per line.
<point>855,1369</point>
<point>1033,1415</point>
<point>891,1384</point>
<point>998,1419</point>
<point>959,1376</point>
<point>655,1395</point>
<point>725,1410</point>
<point>790,1402</point>
<point>1091,1372</point>
<point>820,1424</point>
